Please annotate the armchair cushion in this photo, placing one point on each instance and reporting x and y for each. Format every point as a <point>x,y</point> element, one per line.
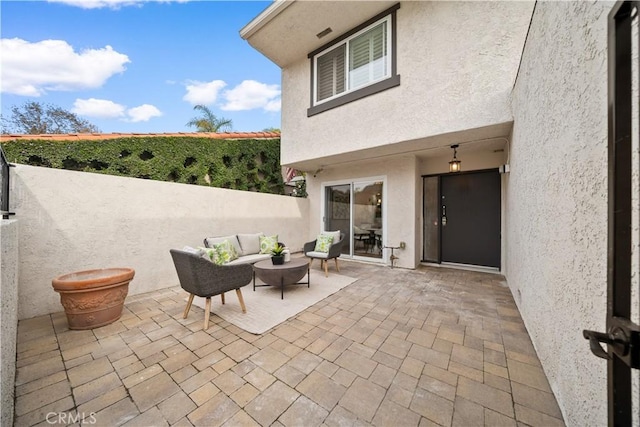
<point>315,254</point>
<point>268,244</point>
<point>323,243</point>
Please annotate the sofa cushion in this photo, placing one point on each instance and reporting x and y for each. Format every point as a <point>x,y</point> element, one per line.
<point>232,239</point>
<point>249,259</point>
<point>268,244</point>
<point>250,243</point>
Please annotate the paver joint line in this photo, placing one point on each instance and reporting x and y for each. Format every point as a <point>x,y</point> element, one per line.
<point>392,348</point>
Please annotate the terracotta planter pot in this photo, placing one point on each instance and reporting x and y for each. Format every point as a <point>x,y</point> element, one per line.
<point>93,298</point>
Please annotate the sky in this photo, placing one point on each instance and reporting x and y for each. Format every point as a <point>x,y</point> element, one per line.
<point>138,65</point>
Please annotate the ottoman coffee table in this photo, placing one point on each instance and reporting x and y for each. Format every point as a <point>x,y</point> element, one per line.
<point>289,273</point>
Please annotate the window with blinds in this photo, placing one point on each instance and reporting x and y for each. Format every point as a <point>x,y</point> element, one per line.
<point>368,57</point>
<point>330,72</point>
<point>358,61</point>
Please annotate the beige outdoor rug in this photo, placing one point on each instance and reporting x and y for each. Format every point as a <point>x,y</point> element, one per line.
<point>265,309</point>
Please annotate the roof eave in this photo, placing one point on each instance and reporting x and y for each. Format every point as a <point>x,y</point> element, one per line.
<point>264,18</point>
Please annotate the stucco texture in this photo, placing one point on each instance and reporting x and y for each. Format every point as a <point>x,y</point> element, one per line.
<point>457,62</point>
<point>8,316</point>
<point>71,221</point>
<point>556,199</point>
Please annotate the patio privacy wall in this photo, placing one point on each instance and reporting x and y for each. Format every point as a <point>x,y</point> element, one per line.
<point>556,200</point>
<point>71,221</point>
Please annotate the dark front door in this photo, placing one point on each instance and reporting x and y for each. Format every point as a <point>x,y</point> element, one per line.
<point>470,218</point>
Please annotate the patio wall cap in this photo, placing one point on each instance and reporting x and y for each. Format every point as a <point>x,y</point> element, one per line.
<point>113,135</point>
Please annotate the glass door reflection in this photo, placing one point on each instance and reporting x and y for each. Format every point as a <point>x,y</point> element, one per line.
<point>338,212</point>
<point>367,230</point>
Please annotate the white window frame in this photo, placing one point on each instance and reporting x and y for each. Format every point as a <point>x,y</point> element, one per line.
<point>345,42</point>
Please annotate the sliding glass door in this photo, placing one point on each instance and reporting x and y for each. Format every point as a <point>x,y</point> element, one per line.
<point>338,212</point>
<point>357,209</point>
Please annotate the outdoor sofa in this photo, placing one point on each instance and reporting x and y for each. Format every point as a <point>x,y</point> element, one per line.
<point>247,246</point>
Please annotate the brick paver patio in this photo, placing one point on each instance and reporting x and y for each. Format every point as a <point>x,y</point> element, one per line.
<point>433,346</point>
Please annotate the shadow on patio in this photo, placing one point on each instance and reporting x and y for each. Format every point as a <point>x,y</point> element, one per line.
<point>396,348</point>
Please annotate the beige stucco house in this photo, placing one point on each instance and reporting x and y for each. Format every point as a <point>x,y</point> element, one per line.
<point>376,93</point>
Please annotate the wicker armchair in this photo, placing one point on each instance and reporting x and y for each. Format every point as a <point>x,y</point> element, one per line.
<point>203,278</point>
<point>334,252</point>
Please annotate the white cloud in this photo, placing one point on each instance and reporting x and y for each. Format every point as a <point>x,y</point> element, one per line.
<point>105,109</point>
<point>102,108</point>
<point>203,93</point>
<point>112,4</point>
<point>143,113</point>
<point>32,69</point>
<point>274,105</point>
<point>250,95</point>
<point>97,4</point>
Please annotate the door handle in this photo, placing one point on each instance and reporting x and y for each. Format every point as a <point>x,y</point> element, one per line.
<point>595,338</point>
<point>624,338</point>
<point>444,215</point>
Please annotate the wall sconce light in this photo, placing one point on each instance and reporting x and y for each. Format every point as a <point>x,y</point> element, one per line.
<point>454,165</point>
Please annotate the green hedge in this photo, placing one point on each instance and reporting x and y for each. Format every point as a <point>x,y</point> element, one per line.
<point>252,165</point>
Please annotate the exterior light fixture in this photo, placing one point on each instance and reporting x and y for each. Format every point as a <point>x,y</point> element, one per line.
<point>454,165</point>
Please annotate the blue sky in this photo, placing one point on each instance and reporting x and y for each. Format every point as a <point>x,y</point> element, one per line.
<point>138,66</point>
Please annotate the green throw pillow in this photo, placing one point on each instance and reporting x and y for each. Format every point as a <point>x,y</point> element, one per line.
<point>268,243</point>
<point>221,253</point>
<point>209,253</point>
<point>323,243</point>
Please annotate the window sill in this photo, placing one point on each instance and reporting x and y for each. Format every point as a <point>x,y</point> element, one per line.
<point>392,81</point>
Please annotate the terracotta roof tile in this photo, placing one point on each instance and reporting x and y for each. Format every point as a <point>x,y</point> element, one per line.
<point>113,135</point>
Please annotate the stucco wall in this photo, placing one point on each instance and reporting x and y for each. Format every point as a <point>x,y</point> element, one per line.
<point>8,316</point>
<point>72,221</point>
<point>557,199</point>
<point>457,62</point>
<point>402,204</point>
